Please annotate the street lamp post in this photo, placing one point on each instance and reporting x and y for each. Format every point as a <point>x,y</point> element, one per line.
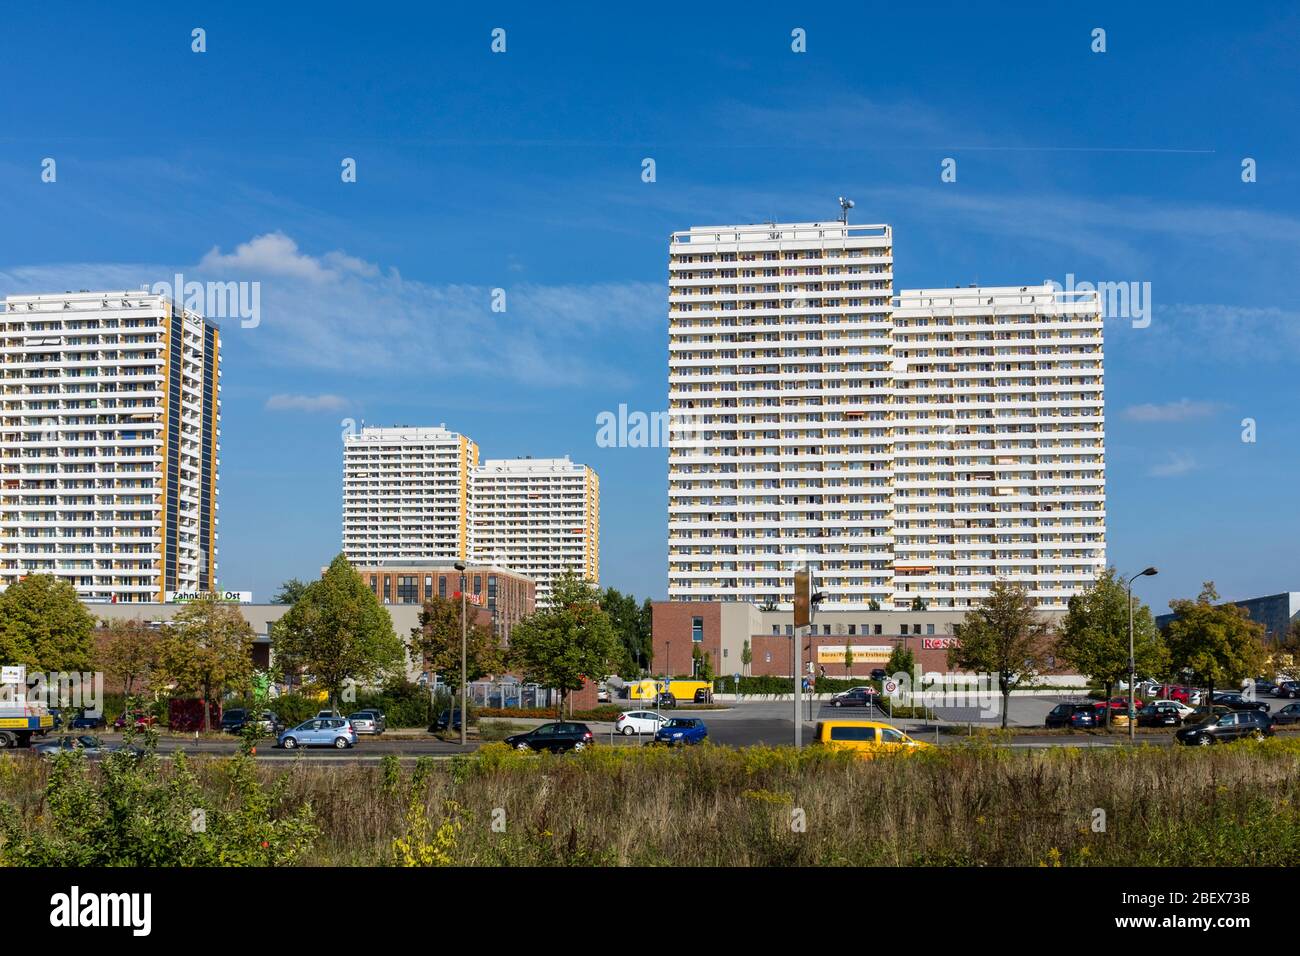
<point>1132,665</point>
<point>464,669</point>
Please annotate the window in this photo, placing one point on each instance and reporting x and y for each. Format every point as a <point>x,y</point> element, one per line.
<point>826,630</point>
<point>853,629</point>
<point>442,585</point>
<point>374,585</point>
<point>929,629</point>
<point>867,734</point>
<point>428,587</point>
<point>890,736</point>
<point>776,629</point>
<point>408,589</point>
<point>478,584</point>
<point>877,630</point>
<point>697,629</point>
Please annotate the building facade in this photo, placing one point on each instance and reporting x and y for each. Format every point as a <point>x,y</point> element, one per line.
<point>539,517</point>
<point>721,629</point>
<point>502,596</point>
<point>916,446</point>
<point>110,424</point>
<point>1279,613</point>
<point>406,494</point>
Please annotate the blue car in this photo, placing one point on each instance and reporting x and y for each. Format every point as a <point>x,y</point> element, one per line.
<point>319,732</point>
<point>682,730</point>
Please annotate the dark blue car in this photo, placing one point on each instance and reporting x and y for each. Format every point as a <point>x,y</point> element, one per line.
<point>682,730</point>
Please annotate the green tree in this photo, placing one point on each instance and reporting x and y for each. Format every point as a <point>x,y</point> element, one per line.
<point>632,623</point>
<point>338,632</point>
<point>873,605</point>
<point>1004,636</point>
<point>901,661</point>
<point>746,655</point>
<point>1218,642</point>
<point>436,642</point>
<point>44,626</point>
<point>290,591</point>
<point>206,649</point>
<point>1093,635</point>
<point>918,603</point>
<point>129,653</point>
<point>768,606</point>
<point>568,642</point>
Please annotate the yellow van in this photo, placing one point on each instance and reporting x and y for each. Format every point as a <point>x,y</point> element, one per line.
<point>868,738</point>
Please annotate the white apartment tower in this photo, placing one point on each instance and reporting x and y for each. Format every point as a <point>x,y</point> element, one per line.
<point>537,516</point>
<point>406,494</point>
<point>109,441</point>
<point>917,446</point>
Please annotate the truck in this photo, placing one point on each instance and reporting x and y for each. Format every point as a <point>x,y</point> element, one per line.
<point>19,721</point>
<point>682,690</point>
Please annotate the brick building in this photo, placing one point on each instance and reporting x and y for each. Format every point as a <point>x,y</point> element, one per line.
<point>720,629</point>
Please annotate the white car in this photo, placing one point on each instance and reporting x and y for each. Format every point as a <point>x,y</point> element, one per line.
<point>1183,709</point>
<point>639,722</point>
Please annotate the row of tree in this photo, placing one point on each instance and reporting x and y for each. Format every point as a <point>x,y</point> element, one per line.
<point>337,633</point>
<point>1215,644</point>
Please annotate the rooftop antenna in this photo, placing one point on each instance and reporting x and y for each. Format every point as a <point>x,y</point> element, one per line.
<point>845,206</point>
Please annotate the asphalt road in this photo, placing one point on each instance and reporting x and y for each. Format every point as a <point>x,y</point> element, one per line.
<point>744,724</point>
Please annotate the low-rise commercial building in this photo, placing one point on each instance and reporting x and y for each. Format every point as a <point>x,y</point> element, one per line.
<point>721,628</point>
<point>502,596</point>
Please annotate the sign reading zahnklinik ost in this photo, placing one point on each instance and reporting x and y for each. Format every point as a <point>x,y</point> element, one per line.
<point>225,597</point>
<point>13,674</point>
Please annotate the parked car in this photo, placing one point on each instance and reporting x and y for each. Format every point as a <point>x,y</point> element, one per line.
<point>236,719</point>
<point>1239,702</point>
<point>1059,716</point>
<point>856,697</point>
<point>1290,714</point>
<point>87,744</point>
<point>878,673</point>
<point>682,730</point>
<point>1288,688</point>
<point>666,699</point>
<point>328,713</point>
<point>1262,686</point>
<point>1184,695</point>
<point>556,737</point>
<point>1184,711</point>
<point>602,694</point>
<point>639,722</point>
<point>450,719</point>
<point>1226,728</point>
<point>868,738</point>
<point>368,721</point>
<point>138,718</point>
<point>319,732</point>
<point>1163,714</point>
<point>84,721</point>
<point>1087,717</point>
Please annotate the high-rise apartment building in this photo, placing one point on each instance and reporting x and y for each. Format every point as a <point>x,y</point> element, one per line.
<point>917,446</point>
<point>539,517</point>
<point>406,494</point>
<point>110,409</point>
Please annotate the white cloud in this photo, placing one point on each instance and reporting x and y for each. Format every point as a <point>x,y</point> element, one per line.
<point>271,254</point>
<point>306,403</point>
<point>1175,466</point>
<point>1179,411</point>
<point>340,313</point>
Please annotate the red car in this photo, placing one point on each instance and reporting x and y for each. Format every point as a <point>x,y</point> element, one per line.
<point>1115,703</point>
<point>139,719</point>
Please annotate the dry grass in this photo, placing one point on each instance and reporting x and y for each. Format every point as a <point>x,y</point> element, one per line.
<point>961,805</point>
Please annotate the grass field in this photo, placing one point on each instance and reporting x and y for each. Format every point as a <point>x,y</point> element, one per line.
<point>967,805</point>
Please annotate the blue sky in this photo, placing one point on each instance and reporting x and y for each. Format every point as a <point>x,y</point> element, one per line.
<point>522,171</point>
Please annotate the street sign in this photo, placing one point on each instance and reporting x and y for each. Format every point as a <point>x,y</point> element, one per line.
<point>890,686</point>
<point>803,586</point>
<point>13,674</point>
